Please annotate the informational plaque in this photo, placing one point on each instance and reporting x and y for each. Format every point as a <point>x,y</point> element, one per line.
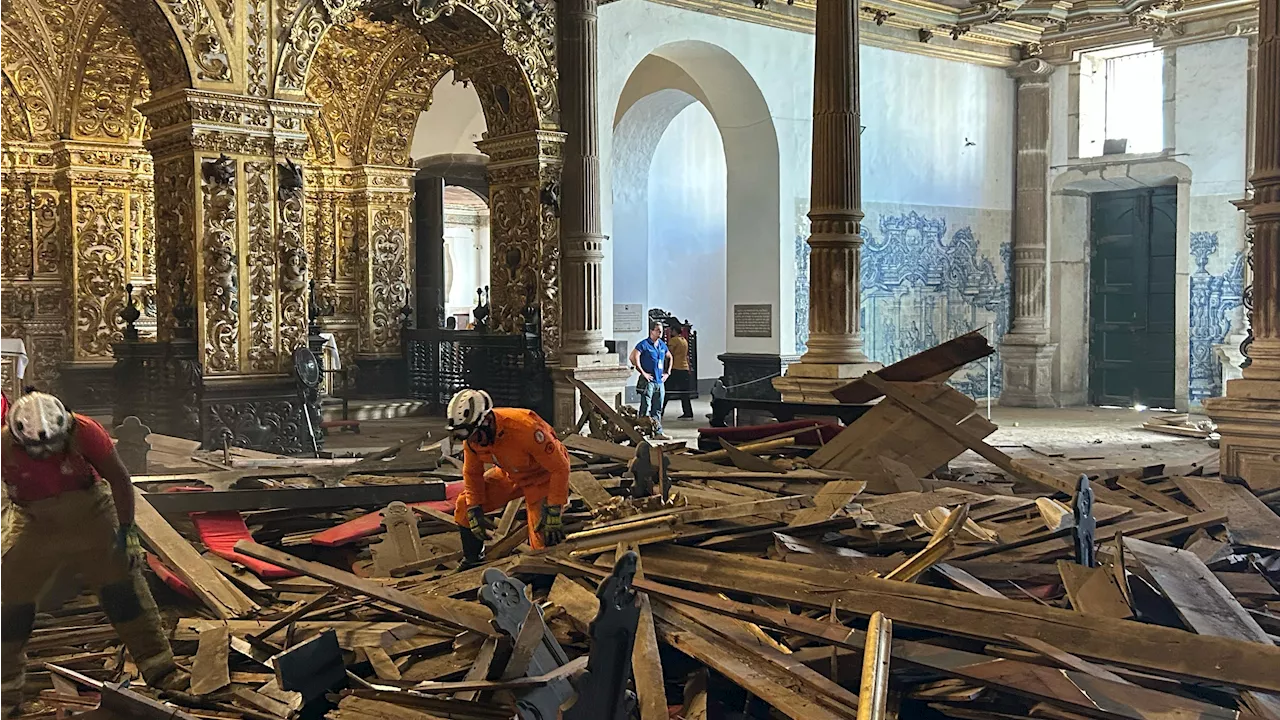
<point>753,320</point>
<point>628,317</point>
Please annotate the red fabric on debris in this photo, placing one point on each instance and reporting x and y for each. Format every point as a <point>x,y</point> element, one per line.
<point>369,524</point>
<point>824,432</point>
<point>168,576</point>
<point>221,530</point>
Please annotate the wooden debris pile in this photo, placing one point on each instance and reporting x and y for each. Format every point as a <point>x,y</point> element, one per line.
<point>771,579</point>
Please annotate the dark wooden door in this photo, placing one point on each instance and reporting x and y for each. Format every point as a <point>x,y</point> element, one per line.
<point>1131,354</point>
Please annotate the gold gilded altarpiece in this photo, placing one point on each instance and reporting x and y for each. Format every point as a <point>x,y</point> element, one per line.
<point>220,156</point>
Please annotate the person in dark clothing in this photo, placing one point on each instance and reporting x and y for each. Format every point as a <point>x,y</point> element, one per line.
<point>681,379</point>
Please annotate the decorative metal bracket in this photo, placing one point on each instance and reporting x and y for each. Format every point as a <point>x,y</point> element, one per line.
<point>1086,525</point>
<point>505,596</point>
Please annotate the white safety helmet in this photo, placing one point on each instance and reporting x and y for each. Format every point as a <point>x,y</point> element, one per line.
<point>467,411</point>
<point>40,424</point>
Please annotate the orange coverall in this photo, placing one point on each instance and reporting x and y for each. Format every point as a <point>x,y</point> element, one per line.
<point>529,462</point>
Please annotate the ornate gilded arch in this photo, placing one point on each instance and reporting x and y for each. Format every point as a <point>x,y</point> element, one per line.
<point>372,81</point>
<point>508,54</point>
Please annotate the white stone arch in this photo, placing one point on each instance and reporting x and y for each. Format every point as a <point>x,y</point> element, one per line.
<point>1069,251</point>
<point>662,84</point>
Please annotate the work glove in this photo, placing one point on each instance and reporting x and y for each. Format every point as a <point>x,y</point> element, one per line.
<point>129,543</point>
<point>479,524</point>
<point>551,526</point>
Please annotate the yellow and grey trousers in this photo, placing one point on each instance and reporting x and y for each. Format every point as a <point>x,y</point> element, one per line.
<point>75,531</point>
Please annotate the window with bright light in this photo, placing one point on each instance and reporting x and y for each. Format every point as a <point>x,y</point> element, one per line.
<point>1122,98</point>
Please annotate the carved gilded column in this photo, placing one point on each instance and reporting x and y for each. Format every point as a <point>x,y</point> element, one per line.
<point>106,243</point>
<point>1025,349</point>
<point>382,198</point>
<point>524,206</point>
<point>834,353</point>
<point>580,203</point>
<point>34,302</point>
<point>232,264</point>
<point>1249,416</point>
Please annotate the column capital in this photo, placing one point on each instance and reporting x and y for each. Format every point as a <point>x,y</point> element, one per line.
<point>1030,70</point>
<point>188,119</point>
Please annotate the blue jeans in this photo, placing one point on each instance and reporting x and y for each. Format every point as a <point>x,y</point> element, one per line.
<point>651,403</point>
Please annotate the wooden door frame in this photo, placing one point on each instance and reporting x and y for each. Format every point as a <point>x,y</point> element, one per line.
<point>1070,243</point>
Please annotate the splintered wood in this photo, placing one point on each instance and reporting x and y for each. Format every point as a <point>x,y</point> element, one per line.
<point>860,579</point>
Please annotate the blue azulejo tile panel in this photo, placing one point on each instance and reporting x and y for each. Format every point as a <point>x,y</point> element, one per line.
<point>1214,300</point>
<point>924,283</point>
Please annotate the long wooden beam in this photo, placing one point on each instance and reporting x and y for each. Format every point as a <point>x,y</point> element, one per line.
<point>1082,693</point>
<point>1128,643</point>
<point>436,609</point>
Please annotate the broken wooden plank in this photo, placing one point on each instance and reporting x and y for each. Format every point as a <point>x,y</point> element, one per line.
<point>1093,591</point>
<point>311,498</point>
<point>935,364</point>
<point>209,585</point>
<point>589,489</point>
<point>607,410</point>
<point>1067,660</point>
<point>1153,496</point>
<point>209,671</point>
<point>1249,521</point>
<point>469,616</point>
<point>832,497</point>
<point>646,666</point>
<point>1232,662</point>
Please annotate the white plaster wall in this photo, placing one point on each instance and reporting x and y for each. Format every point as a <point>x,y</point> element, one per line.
<point>687,225</point>
<point>453,123</point>
<point>466,245</point>
<point>780,62</point>
<point>920,114</point>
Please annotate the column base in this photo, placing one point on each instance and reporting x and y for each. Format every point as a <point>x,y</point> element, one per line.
<point>814,382</point>
<point>601,373</point>
<point>1248,419</point>
<point>1028,374</point>
<point>259,412</point>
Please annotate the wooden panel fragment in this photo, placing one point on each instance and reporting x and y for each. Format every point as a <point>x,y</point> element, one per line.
<point>1249,520</point>
<point>1093,591</point>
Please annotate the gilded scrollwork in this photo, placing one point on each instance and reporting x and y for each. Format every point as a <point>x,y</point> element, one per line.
<point>100,270</point>
<point>256,38</point>
<point>175,222</point>
<point>388,278</point>
<point>202,35</point>
<point>261,264</point>
<point>142,235</point>
<point>221,265</point>
<point>47,219</point>
<point>294,261</point>
<point>18,249</point>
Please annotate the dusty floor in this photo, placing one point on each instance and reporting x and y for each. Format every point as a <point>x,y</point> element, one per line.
<point>1092,437</point>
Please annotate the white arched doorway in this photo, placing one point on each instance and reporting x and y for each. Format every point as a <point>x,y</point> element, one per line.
<point>695,199</point>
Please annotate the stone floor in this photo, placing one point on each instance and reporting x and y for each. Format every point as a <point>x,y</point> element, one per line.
<point>1092,437</point>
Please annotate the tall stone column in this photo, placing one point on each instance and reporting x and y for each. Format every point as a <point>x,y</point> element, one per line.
<point>1249,416</point>
<point>834,355</point>
<point>581,240</point>
<point>582,350</point>
<point>1027,353</point>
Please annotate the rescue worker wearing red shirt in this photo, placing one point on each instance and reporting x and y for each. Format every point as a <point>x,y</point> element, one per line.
<point>528,461</point>
<point>63,514</point>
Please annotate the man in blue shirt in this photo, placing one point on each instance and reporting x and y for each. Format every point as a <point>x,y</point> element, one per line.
<point>652,359</point>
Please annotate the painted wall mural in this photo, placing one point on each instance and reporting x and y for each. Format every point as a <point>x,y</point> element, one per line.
<point>1214,303</point>
<point>923,284</point>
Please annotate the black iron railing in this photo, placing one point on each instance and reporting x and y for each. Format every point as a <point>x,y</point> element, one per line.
<point>511,368</point>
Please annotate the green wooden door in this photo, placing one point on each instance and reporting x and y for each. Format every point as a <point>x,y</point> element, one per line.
<point>1131,311</point>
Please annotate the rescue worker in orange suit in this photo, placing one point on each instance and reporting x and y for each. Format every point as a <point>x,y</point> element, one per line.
<point>62,514</point>
<point>528,461</point>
